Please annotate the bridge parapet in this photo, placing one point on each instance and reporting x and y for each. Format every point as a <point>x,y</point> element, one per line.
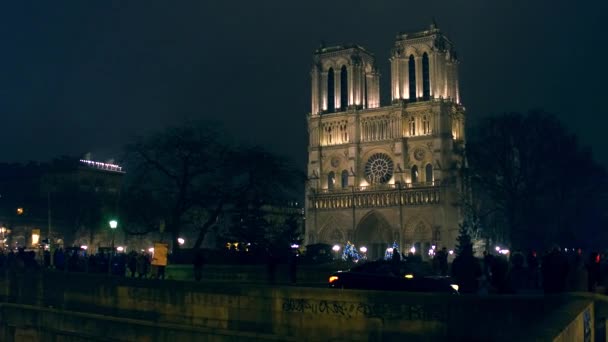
<point>286,312</point>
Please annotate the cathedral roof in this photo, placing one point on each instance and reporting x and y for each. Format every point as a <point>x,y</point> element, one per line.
<point>343,47</point>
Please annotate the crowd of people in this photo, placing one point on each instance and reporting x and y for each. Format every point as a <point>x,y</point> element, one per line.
<point>133,264</point>
<point>556,271</point>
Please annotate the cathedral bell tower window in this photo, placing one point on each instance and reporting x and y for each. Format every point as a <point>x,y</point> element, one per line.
<point>412,73</point>
<point>426,83</point>
<point>343,88</point>
<point>331,103</point>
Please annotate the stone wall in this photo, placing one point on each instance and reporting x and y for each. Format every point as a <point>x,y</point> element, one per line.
<point>281,312</point>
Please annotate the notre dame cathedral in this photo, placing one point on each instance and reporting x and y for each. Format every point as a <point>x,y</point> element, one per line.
<point>383,174</point>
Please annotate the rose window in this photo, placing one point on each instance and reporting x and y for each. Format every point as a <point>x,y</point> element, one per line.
<point>379,168</point>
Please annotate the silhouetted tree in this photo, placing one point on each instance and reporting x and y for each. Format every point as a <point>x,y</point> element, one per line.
<point>537,183</point>
<point>266,184</point>
<point>464,245</point>
<point>175,176</point>
<point>189,176</point>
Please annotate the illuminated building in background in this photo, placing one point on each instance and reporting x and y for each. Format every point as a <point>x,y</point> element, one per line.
<point>67,195</point>
<point>379,174</point>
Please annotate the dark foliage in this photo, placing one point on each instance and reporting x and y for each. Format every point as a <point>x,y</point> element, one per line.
<point>535,185</point>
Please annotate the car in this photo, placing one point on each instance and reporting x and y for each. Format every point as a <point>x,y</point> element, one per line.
<point>388,276</point>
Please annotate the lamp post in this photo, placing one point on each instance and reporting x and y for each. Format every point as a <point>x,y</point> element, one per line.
<point>113,225</point>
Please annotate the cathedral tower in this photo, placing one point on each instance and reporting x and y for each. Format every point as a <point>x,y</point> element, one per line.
<point>424,66</point>
<point>343,77</point>
<point>379,174</point>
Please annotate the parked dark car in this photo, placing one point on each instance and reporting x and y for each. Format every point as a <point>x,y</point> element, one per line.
<point>388,276</point>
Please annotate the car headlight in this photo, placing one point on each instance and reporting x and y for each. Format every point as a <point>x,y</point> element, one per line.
<point>455,286</point>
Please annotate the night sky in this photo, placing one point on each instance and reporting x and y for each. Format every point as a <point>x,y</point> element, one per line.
<point>89,76</point>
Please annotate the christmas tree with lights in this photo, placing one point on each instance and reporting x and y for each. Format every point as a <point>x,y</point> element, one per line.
<point>389,251</point>
<point>350,252</point>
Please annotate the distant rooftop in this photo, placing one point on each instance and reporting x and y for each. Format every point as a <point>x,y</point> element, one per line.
<point>101,166</point>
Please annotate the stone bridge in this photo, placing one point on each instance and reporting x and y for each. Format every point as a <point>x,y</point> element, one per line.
<point>57,306</point>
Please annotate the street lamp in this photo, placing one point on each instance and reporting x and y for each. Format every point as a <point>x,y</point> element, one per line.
<point>113,225</point>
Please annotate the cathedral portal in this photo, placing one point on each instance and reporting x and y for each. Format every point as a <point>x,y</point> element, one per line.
<point>374,233</point>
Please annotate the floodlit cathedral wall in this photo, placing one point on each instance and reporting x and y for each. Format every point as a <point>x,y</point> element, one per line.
<point>379,174</point>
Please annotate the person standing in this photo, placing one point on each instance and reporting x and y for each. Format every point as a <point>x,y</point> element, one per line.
<point>442,257</point>
<point>132,263</point>
<point>396,262</point>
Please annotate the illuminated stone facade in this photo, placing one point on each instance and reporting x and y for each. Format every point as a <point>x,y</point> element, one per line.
<point>379,174</point>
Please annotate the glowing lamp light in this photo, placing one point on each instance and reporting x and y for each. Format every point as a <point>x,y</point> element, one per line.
<point>363,249</point>
<point>498,248</point>
<point>409,276</point>
<point>295,245</point>
<point>431,252</point>
<point>504,251</point>
<point>181,241</point>
<point>455,286</point>
<point>120,248</point>
<point>151,249</point>
<point>336,248</point>
<point>390,250</point>
<point>84,247</point>
<point>433,247</point>
<point>413,250</point>
<point>333,278</point>
<point>113,224</point>
<point>451,252</point>
<point>35,238</point>
<point>19,211</point>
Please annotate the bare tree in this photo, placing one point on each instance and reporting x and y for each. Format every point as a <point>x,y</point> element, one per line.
<point>542,185</point>
<point>189,176</point>
<point>174,176</point>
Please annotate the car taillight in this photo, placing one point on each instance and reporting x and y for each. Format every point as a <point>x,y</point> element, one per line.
<point>332,279</point>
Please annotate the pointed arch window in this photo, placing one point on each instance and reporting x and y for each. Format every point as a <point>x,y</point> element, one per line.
<point>426,82</point>
<point>412,73</point>
<point>331,180</point>
<point>331,103</point>
<point>412,126</point>
<point>343,88</point>
<point>426,124</point>
<point>428,171</point>
<point>344,179</point>
<point>414,174</point>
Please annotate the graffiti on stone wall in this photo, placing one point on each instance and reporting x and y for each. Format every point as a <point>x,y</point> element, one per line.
<point>366,310</point>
